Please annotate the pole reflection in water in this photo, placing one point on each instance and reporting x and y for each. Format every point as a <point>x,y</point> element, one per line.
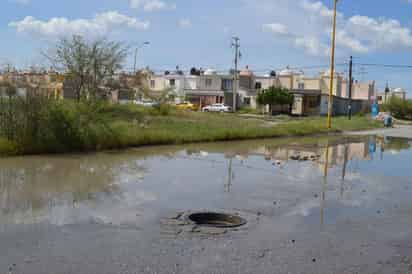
<point>382,148</point>
<point>324,187</point>
<point>345,163</point>
<point>230,176</point>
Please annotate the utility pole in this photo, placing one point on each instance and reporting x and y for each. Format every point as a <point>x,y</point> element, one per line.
<point>236,45</point>
<point>332,66</point>
<point>135,60</point>
<point>387,91</point>
<point>350,88</point>
<point>135,54</point>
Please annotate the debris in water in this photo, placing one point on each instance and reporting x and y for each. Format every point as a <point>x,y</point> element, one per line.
<point>304,158</point>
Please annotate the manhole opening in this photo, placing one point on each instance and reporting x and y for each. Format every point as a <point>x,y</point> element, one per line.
<point>217,219</point>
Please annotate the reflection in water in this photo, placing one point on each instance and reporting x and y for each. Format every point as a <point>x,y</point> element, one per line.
<point>120,187</point>
<point>345,163</point>
<point>35,189</point>
<point>230,176</point>
<point>324,186</point>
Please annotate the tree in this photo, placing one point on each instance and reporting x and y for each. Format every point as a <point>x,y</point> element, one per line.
<point>87,64</point>
<point>275,96</point>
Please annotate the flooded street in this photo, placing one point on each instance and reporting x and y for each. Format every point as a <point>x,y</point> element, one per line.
<point>312,205</point>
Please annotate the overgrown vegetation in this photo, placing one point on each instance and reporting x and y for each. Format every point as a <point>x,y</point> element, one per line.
<point>400,109</point>
<point>37,124</point>
<point>42,125</point>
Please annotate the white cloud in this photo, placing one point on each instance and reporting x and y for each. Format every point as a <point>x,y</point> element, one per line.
<point>317,8</point>
<point>151,5</point>
<point>21,2</point>
<point>101,24</point>
<point>276,28</point>
<point>312,45</point>
<point>184,23</point>
<point>386,34</point>
<point>308,26</point>
<point>349,42</point>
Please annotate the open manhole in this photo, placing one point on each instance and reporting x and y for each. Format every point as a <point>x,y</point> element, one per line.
<point>214,219</point>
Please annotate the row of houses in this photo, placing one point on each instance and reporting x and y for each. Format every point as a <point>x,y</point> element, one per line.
<point>311,93</point>
<point>210,86</point>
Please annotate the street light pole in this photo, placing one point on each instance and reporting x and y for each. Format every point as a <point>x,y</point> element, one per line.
<point>350,88</point>
<point>135,55</point>
<point>236,45</point>
<point>332,66</point>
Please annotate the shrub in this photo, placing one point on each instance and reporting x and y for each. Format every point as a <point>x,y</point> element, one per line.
<point>39,124</point>
<point>401,109</point>
<point>275,96</point>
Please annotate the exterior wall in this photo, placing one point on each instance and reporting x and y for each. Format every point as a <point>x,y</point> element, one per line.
<point>163,82</point>
<point>363,91</point>
<point>297,80</point>
<point>345,89</point>
<point>215,82</point>
<point>157,82</point>
<point>191,82</point>
<point>266,82</point>
<point>311,83</point>
<point>340,105</point>
<point>286,82</point>
<point>360,91</point>
<point>337,85</point>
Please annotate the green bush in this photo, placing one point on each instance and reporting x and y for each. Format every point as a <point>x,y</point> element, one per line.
<point>249,110</point>
<point>401,109</point>
<point>275,96</point>
<point>39,124</point>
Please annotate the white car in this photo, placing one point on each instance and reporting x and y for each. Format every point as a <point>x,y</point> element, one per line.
<point>145,103</point>
<point>217,108</point>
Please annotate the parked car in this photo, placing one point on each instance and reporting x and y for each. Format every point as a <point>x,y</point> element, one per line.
<point>145,103</point>
<point>186,106</point>
<point>217,108</point>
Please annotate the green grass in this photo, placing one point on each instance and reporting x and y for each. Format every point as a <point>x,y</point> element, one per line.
<point>7,147</point>
<point>187,127</point>
<point>131,126</point>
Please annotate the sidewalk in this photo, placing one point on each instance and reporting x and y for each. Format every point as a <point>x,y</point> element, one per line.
<point>401,131</point>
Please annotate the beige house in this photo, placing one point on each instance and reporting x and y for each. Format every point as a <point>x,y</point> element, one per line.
<point>383,97</point>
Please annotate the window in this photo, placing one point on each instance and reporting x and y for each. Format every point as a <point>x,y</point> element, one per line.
<point>208,83</point>
<point>227,84</point>
<point>246,101</point>
<point>152,83</point>
<point>301,85</point>
<point>258,85</point>
<point>172,82</point>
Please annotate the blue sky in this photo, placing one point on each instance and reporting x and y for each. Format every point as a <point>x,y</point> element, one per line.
<point>273,33</point>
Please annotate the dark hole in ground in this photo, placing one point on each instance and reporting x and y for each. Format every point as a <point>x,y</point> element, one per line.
<point>217,219</point>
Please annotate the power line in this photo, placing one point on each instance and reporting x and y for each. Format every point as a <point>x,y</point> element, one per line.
<point>385,65</point>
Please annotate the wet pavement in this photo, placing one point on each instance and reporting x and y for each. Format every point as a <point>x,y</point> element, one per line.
<point>312,205</point>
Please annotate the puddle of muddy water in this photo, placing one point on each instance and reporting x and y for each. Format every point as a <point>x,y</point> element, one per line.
<point>366,177</point>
